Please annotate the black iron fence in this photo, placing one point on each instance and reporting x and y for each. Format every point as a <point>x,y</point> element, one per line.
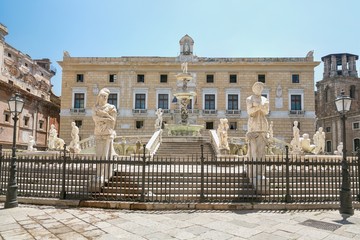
<point>197,178</point>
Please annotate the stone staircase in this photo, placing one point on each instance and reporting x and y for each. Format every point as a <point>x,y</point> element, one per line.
<point>180,147</point>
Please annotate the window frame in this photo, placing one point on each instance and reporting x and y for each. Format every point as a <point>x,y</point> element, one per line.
<point>210,78</point>
<point>80,78</point>
<point>293,78</point>
<point>140,78</point>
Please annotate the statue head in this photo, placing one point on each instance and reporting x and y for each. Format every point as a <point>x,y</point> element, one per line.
<point>257,88</point>
<point>102,96</point>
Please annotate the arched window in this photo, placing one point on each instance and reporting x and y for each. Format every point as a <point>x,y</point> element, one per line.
<point>352,91</point>
<point>326,94</point>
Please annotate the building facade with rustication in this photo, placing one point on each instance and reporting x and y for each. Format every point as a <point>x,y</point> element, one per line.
<point>139,85</point>
<point>340,73</point>
<point>32,80</point>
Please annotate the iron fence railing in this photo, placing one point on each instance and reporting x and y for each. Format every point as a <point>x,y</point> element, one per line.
<point>197,178</point>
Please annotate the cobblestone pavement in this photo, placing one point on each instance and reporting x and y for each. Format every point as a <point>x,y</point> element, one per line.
<point>49,222</point>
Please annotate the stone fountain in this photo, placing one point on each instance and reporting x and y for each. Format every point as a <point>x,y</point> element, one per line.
<point>183,96</point>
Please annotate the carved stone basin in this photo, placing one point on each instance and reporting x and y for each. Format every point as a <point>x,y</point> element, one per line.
<point>183,130</point>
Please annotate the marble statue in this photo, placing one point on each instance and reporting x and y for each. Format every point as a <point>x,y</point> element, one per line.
<point>305,144</point>
<point>271,141</point>
<point>222,132</point>
<point>104,116</point>
<point>31,143</point>
<point>184,67</point>
<point>52,137</point>
<point>74,144</point>
<point>295,142</point>
<point>257,135</point>
<point>158,122</point>
<point>278,97</point>
<point>319,141</point>
<point>339,150</point>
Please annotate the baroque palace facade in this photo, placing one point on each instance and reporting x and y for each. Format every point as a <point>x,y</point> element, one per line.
<point>32,80</point>
<point>339,74</point>
<point>141,85</point>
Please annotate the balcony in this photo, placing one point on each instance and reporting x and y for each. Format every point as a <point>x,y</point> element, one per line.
<point>190,111</point>
<point>139,111</point>
<point>296,113</point>
<point>209,111</point>
<point>79,111</point>
<point>233,112</point>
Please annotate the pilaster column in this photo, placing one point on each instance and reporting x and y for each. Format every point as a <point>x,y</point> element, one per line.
<point>326,68</point>
<point>333,72</point>
<point>345,71</point>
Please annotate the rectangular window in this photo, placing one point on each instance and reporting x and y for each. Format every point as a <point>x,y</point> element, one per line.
<point>296,102</point>
<point>41,124</point>
<point>163,101</point>
<point>328,129</point>
<point>7,117</point>
<point>9,55</point>
<point>328,147</point>
<point>139,124</point>
<point>112,78</point>
<point>163,78</point>
<point>356,125</point>
<point>79,100</point>
<point>79,77</point>
<point>261,78</point>
<point>189,106</point>
<point>233,78</point>
<point>26,121</point>
<point>233,100</point>
<point>210,78</point>
<point>140,78</point>
<point>233,125</point>
<point>295,78</point>
<point>78,123</point>
<point>140,99</point>
<point>113,99</point>
<point>209,125</point>
<point>210,101</point>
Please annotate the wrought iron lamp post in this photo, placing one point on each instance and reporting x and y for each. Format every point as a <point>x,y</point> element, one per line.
<point>343,104</point>
<point>16,104</point>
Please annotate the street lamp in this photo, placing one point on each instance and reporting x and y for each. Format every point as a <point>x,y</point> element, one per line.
<point>16,104</point>
<point>343,104</point>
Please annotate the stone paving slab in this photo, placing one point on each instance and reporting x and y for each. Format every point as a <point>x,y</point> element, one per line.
<point>54,222</point>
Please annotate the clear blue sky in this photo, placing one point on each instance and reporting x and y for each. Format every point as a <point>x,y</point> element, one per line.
<point>221,28</point>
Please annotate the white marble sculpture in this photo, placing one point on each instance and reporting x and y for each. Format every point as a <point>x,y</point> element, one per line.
<point>295,142</point>
<point>305,144</point>
<point>158,122</point>
<point>319,141</point>
<point>339,150</point>
<point>184,67</point>
<point>31,143</point>
<point>257,135</point>
<point>222,132</point>
<point>74,144</point>
<point>52,137</point>
<point>104,116</point>
<point>54,142</point>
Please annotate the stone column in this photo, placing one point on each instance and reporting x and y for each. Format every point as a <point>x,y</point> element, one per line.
<point>326,68</point>
<point>333,72</point>
<point>345,71</point>
<point>352,67</point>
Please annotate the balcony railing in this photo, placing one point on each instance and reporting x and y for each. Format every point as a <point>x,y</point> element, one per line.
<point>233,112</point>
<point>190,111</point>
<point>78,110</point>
<point>209,112</point>
<point>139,111</point>
<point>296,112</point>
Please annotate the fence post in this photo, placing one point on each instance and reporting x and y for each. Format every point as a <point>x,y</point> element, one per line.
<point>202,196</point>
<point>63,192</point>
<point>142,198</point>
<point>287,196</point>
<point>358,170</point>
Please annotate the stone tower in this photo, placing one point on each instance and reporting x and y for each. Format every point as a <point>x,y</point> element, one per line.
<point>339,74</point>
